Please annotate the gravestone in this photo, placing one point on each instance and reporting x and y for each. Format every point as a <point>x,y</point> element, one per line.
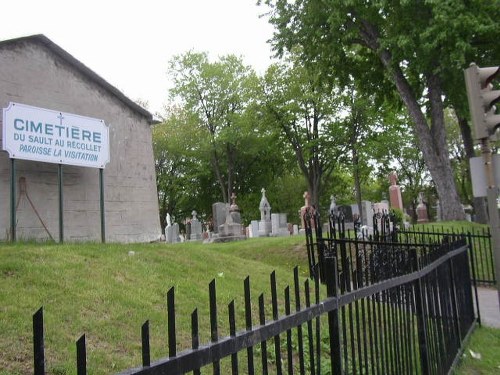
<point>219,213</point>
<point>366,213</point>
<point>333,206</point>
<point>254,229</point>
<point>306,208</point>
<point>265,226</point>
<point>395,192</point>
<point>172,233</point>
<point>422,215</point>
<point>196,231</point>
<point>438,211</point>
<point>279,225</point>
<point>231,229</point>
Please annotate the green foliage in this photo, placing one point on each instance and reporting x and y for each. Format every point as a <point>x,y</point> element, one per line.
<point>220,98</point>
<point>398,215</point>
<point>402,52</point>
<point>304,109</point>
<point>212,141</point>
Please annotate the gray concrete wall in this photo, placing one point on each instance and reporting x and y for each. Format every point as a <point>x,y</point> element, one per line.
<point>32,74</point>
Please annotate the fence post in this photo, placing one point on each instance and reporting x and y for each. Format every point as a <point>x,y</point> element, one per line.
<point>333,316</point>
<point>453,294</point>
<point>474,277</point>
<point>420,308</point>
<point>38,342</point>
<point>172,339</point>
<point>146,357</point>
<point>81,356</point>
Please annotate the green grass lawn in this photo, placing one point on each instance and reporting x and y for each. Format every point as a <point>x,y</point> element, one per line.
<point>485,357</point>
<point>108,291</point>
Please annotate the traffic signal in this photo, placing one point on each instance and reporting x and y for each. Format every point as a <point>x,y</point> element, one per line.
<point>482,99</point>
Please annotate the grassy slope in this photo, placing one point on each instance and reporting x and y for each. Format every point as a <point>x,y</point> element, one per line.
<point>107,293</point>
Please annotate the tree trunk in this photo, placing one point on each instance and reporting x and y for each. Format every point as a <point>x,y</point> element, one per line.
<point>432,140</point>
<point>218,174</point>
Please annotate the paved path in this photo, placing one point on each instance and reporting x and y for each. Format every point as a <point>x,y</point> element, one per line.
<point>488,307</point>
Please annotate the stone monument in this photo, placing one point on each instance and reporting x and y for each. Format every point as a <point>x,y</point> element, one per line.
<point>395,192</point>
<point>265,225</point>
<point>279,225</point>
<point>306,208</point>
<point>231,229</point>
<point>219,213</point>
<point>196,231</point>
<point>171,231</point>
<point>422,216</point>
<point>333,206</point>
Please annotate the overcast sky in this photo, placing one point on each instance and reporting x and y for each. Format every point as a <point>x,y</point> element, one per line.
<point>129,43</point>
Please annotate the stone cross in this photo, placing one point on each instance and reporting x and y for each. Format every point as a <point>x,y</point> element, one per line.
<point>263,191</point>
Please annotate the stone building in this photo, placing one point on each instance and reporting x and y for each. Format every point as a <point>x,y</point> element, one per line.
<point>36,72</point>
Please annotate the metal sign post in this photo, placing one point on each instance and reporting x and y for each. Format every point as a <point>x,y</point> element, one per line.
<point>13,200</point>
<point>61,203</point>
<point>492,196</point>
<point>101,189</point>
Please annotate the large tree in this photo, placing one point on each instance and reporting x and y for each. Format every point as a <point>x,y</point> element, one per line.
<point>217,95</point>
<point>304,109</point>
<point>414,47</point>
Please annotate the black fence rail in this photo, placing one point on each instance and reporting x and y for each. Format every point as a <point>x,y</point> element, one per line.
<point>386,235</point>
<point>479,239</point>
<point>410,318</point>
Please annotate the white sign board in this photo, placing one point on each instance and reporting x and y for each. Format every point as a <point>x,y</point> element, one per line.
<point>38,134</point>
<point>478,175</point>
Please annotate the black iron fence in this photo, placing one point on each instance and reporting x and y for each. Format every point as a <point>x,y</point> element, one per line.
<point>479,239</point>
<point>384,230</point>
<point>387,309</point>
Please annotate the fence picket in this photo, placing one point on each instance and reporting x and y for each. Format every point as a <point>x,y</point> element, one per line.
<point>146,356</point>
<point>38,343</point>
<point>248,322</point>
<point>81,356</point>
<point>263,344</point>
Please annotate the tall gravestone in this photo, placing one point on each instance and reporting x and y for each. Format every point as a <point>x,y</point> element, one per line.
<point>422,215</point>
<point>196,231</point>
<point>265,225</point>
<point>395,192</point>
<point>253,229</point>
<point>306,209</point>
<point>219,213</point>
<point>333,210</point>
<point>366,213</point>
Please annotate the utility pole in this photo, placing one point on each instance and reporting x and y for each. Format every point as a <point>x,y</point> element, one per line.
<point>482,99</point>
